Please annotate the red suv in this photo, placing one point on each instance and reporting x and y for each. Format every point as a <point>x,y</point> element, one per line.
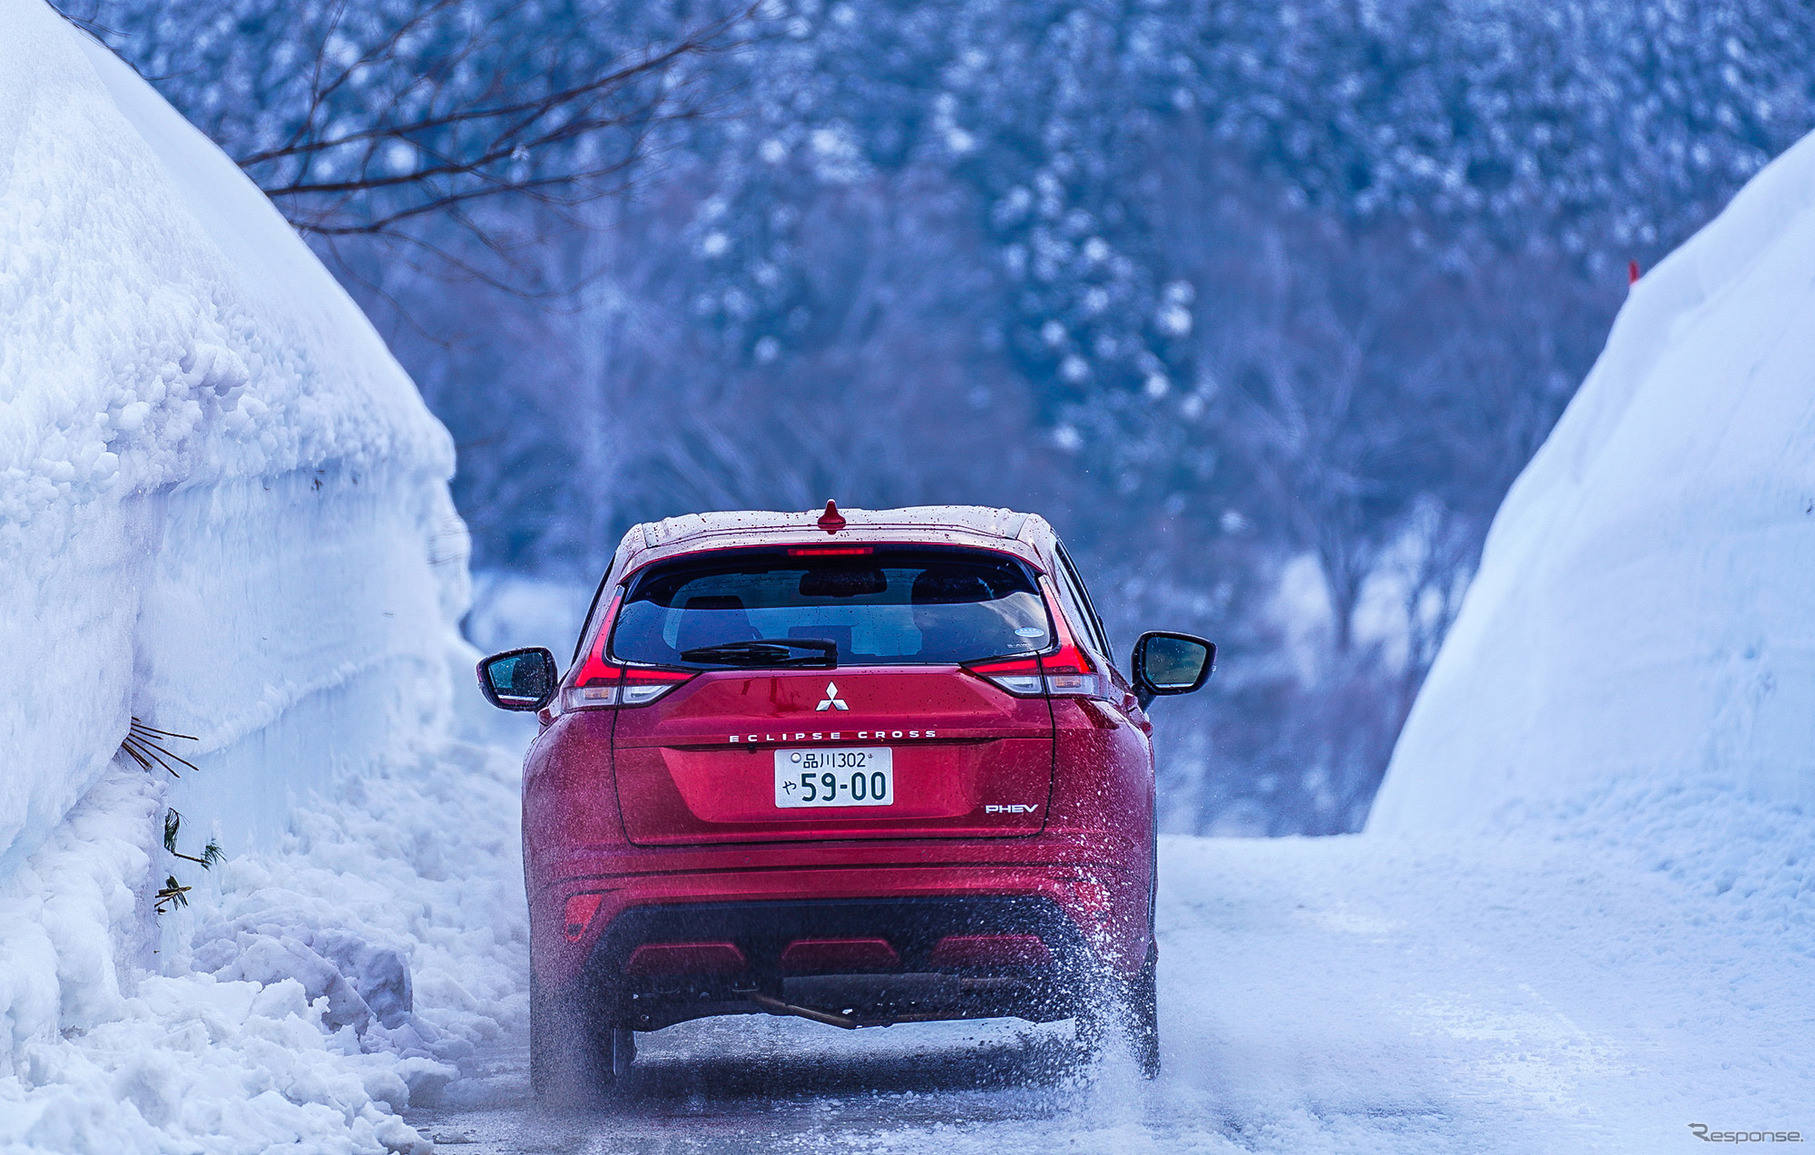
<point>863,768</point>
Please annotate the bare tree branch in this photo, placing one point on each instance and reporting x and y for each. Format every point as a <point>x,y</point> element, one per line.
<point>568,133</point>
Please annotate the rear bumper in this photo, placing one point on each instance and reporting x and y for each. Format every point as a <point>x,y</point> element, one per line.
<point>1083,896</point>
<point>916,988</point>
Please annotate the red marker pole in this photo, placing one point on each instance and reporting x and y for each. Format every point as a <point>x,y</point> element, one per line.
<point>1632,273</point>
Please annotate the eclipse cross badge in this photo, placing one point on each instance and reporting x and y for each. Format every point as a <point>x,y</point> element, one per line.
<point>833,701</point>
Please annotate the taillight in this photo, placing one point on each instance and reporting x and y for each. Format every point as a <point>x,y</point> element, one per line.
<point>1019,676</point>
<point>604,686</point>
<point>633,688</point>
<point>1064,673</point>
<point>1068,671</point>
<point>1069,674</point>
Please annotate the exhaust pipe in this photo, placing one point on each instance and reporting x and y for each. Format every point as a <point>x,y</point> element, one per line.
<point>776,1007</point>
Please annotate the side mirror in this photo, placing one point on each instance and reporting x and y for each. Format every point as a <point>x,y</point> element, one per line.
<point>519,679</point>
<point>1167,663</point>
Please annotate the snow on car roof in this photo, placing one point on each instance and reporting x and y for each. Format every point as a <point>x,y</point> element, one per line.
<point>948,524</point>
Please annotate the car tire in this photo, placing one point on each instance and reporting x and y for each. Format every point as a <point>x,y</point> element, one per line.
<point>1129,1003</point>
<point>1143,1017</point>
<point>574,1060</point>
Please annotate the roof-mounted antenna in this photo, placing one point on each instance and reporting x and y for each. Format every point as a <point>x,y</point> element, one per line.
<point>831,520</point>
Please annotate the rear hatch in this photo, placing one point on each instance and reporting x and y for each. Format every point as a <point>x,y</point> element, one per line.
<point>830,699</point>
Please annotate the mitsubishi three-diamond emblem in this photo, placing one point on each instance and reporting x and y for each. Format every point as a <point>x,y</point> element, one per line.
<point>833,701</point>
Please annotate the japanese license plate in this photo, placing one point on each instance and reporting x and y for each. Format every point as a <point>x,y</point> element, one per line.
<point>835,776</point>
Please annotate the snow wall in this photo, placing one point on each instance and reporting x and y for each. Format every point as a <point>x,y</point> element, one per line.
<point>1643,614</point>
<point>223,508</point>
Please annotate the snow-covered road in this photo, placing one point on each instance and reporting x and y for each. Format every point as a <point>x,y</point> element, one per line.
<point>1350,994</point>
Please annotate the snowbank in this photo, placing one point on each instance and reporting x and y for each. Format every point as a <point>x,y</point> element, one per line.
<point>220,496</point>
<point>223,511</point>
<point>1641,619</point>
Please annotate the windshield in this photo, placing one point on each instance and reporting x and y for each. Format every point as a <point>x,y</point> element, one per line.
<point>888,607</point>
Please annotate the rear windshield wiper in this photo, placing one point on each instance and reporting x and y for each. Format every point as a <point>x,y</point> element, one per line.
<point>767,652</point>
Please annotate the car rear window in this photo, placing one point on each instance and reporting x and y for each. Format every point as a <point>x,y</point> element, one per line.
<point>890,607</point>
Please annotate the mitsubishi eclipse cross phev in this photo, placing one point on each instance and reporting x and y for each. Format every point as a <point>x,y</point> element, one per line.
<point>862,768</point>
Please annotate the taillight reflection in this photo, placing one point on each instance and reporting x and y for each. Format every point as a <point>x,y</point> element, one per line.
<point>578,913</point>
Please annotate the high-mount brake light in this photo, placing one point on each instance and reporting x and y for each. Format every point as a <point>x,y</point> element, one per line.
<point>635,687</point>
<point>832,551</point>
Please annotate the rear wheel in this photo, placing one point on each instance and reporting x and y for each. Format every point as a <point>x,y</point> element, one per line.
<point>1131,1004</point>
<point>1143,1003</point>
<point>574,1059</point>
<point>1143,1017</point>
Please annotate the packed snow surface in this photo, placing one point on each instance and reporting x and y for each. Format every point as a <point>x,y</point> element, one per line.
<point>1594,990</point>
<point>1642,609</point>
